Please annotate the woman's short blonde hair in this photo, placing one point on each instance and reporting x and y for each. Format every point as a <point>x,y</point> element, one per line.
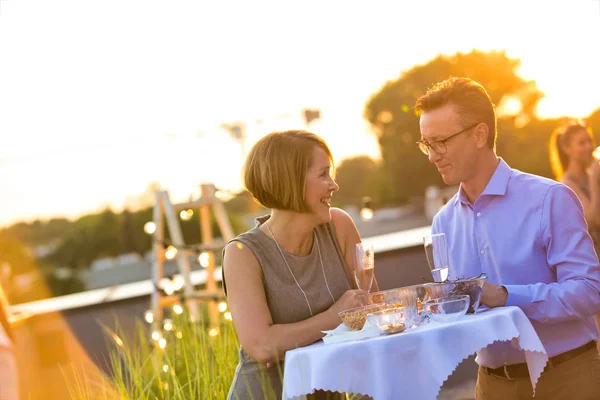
<point>276,167</point>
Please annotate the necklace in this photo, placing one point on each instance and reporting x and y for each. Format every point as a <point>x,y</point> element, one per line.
<point>289,269</point>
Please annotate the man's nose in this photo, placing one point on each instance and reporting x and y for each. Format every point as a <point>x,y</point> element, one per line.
<point>433,156</point>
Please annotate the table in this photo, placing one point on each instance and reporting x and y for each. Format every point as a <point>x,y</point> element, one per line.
<point>410,365</point>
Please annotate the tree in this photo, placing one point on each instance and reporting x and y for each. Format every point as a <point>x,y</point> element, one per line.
<point>357,177</point>
<point>407,171</point>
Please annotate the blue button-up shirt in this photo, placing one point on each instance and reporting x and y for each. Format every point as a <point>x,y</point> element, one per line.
<point>528,234</point>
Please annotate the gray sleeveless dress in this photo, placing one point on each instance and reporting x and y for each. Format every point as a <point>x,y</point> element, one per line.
<point>286,302</point>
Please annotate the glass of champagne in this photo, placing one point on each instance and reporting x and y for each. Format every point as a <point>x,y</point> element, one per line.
<point>436,251</point>
<point>364,264</point>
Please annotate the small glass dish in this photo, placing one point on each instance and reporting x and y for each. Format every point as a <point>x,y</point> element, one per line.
<point>355,318</point>
<point>463,286</point>
<point>448,308</point>
<point>389,321</point>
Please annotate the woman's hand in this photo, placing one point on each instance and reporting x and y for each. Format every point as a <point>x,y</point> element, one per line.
<point>594,172</point>
<point>348,300</point>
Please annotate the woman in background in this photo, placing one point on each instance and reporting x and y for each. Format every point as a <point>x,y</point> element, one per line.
<point>573,163</point>
<point>571,157</point>
<point>9,381</point>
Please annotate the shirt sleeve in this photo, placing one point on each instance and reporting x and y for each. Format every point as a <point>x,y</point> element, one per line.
<point>570,253</point>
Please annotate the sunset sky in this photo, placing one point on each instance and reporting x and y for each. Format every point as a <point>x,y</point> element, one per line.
<point>98,99</point>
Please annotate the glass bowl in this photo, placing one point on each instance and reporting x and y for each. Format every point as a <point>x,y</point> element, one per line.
<point>389,321</point>
<point>463,286</point>
<point>447,309</point>
<point>355,318</point>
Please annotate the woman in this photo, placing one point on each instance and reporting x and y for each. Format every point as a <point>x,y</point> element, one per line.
<point>573,163</point>
<point>287,279</point>
<point>8,367</point>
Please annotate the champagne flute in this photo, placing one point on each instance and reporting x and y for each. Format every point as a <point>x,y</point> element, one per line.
<point>436,251</point>
<point>364,265</point>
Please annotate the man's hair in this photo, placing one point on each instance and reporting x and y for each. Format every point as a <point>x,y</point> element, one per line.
<point>276,167</point>
<point>468,98</point>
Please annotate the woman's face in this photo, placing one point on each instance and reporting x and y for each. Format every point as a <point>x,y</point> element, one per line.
<point>320,185</point>
<point>580,148</point>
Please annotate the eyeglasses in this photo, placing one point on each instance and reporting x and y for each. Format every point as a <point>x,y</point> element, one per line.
<point>439,146</point>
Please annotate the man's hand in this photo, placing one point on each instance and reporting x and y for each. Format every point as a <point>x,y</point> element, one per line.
<point>493,295</point>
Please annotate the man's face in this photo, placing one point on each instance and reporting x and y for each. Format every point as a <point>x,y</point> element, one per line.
<point>457,163</point>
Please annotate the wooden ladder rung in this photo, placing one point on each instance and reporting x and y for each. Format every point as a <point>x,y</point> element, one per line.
<point>166,301</point>
<point>196,203</point>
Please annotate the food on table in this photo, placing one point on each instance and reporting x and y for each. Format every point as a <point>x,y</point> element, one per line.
<point>355,318</point>
<point>393,328</point>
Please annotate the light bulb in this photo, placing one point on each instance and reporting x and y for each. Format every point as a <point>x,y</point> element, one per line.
<point>149,316</point>
<point>149,227</point>
<point>203,259</point>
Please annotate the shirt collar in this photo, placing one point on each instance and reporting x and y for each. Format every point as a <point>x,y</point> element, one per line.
<point>495,187</point>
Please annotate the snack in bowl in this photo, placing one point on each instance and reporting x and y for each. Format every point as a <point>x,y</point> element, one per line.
<point>462,286</point>
<point>389,321</point>
<point>355,318</point>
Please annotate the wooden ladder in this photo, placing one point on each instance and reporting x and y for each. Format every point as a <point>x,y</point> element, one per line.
<point>166,212</point>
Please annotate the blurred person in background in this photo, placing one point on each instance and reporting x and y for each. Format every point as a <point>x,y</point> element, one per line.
<point>287,279</point>
<point>9,381</point>
<point>571,158</point>
<point>573,163</point>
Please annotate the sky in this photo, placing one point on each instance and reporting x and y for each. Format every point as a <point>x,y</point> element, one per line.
<point>100,98</point>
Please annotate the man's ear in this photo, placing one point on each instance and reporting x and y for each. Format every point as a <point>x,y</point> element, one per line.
<point>481,133</point>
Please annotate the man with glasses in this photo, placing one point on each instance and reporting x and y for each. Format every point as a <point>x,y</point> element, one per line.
<point>528,234</point>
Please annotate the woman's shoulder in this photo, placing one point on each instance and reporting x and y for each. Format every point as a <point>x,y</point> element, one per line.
<point>341,219</point>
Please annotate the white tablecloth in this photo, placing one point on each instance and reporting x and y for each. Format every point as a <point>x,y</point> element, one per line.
<point>410,365</point>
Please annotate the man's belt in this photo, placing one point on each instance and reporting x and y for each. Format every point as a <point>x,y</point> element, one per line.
<point>521,371</point>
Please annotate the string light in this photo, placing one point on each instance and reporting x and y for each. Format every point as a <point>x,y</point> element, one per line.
<point>168,289</point>
<point>222,306</point>
<point>203,259</point>
<point>168,325</point>
<point>366,211</point>
<point>177,309</point>
<point>171,252</point>
<point>186,215</point>
<point>213,332</point>
<point>366,214</point>
<point>162,343</point>
<point>165,368</point>
<point>178,283</point>
<point>149,316</point>
<point>179,335</point>
<point>149,227</point>
<point>227,316</point>
<point>156,336</point>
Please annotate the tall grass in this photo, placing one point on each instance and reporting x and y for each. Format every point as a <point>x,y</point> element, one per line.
<point>195,363</point>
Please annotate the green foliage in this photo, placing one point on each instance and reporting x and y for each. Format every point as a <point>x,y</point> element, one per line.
<point>38,232</point>
<point>357,177</point>
<point>194,366</point>
<point>407,172</point>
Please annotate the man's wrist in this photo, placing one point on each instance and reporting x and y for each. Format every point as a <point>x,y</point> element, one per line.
<point>504,294</point>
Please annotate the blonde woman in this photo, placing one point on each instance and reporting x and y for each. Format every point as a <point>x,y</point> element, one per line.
<point>9,381</point>
<point>287,279</point>
<point>573,163</point>
<point>571,158</point>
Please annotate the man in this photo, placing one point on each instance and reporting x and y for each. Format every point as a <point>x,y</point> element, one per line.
<point>529,236</point>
